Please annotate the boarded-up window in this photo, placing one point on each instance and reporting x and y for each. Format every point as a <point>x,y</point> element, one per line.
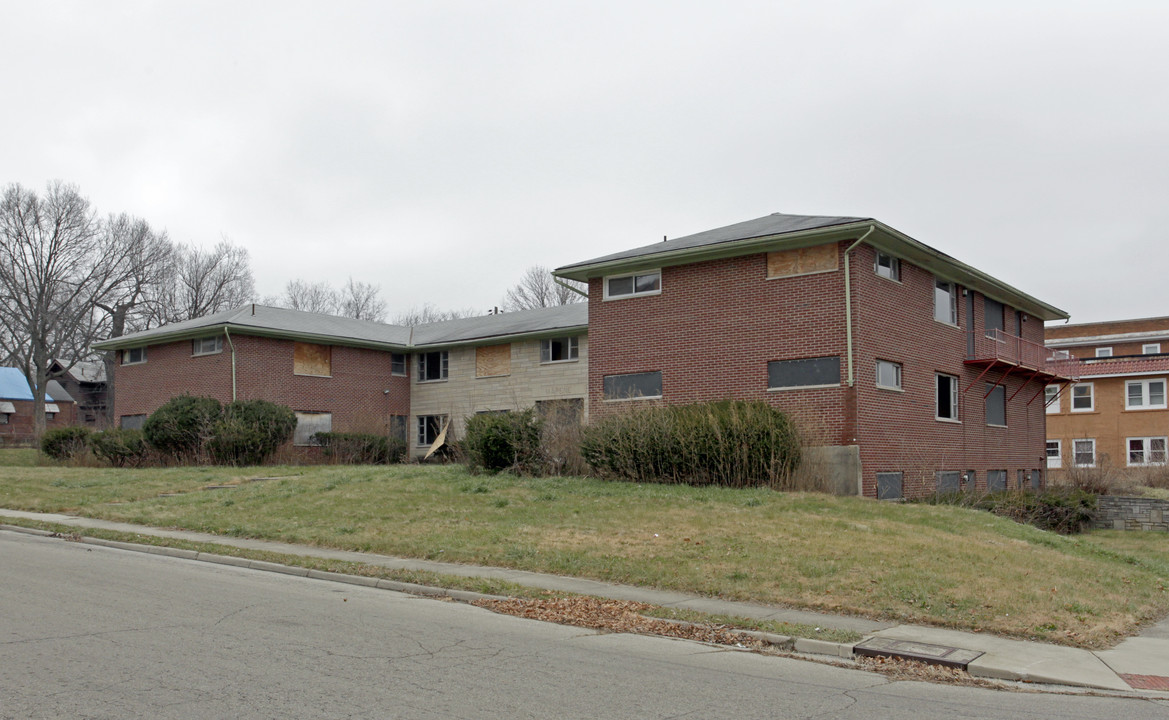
<point>310,359</point>
<point>309,424</point>
<point>132,422</point>
<point>996,405</point>
<point>996,480</point>
<point>948,481</point>
<point>889,486</point>
<point>785,263</point>
<point>492,360</point>
<point>808,372</point>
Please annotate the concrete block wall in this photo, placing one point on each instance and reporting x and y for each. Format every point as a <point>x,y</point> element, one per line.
<point>1132,513</point>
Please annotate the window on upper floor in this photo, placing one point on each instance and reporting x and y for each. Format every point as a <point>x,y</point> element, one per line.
<point>563,349</point>
<point>996,405</point>
<point>432,366</point>
<point>1084,452</point>
<point>633,386</point>
<point>992,317</point>
<point>1146,451</point>
<point>1083,397</point>
<point>1051,399</point>
<point>647,282</point>
<point>947,397</point>
<point>1054,454</point>
<point>398,364</point>
<point>1103,352</point>
<point>1151,348</point>
<point>207,345</point>
<point>803,261</point>
<point>311,359</point>
<point>493,360</point>
<point>134,356</point>
<point>888,266</point>
<point>888,375</point>
<point>945,302</point>
<point>1144,395</point>
<point>803,373</point>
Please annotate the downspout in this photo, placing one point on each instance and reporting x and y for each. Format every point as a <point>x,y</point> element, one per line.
<point>561,283</point>
<point>231,344</point>
<point>848,303</point>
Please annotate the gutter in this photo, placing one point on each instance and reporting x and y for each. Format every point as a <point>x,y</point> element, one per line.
<point>563,284</point>
<point>848,302</point>
<point>231,344</point>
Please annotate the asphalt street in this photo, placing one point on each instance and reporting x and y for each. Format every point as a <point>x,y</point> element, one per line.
<point>92,632</point>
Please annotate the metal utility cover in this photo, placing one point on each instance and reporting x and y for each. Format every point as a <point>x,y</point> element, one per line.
<point>922,652</point>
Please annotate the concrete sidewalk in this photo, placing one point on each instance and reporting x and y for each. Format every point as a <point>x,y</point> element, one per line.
<point>1138,664</point>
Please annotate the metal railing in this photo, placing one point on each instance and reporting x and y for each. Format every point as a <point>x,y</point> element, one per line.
<point>997,345</point>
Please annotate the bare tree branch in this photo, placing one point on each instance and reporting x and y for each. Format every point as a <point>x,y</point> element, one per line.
<point>428,313</point>
<point>362,301</point>
<point>538,289</point>
<point>310,297</point>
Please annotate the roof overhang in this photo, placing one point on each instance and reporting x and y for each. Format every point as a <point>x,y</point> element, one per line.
<point>161,338</point>
<point>497,339</point>
<point>882,237</point>
<point>7,408</point>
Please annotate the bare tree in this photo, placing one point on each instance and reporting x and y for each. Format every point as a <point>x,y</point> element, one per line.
<point>207,281</point>
<point>362,301</point>
<point>310,297</point>
<point>538,289</point>
<point>428,313</point>
<point>58,264</point>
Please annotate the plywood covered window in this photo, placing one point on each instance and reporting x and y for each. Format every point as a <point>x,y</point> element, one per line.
<point>804,261</point>
<point>493,360</point>
<point>310,359</point>
<point>309,424</point>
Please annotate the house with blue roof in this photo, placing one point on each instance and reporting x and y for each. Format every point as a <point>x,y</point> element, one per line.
<point>17,407</point>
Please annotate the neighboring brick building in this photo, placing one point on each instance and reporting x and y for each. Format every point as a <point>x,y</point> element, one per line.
<point>914,371</point>
<point>352,375</point>
<point>1117,414</point>
<point>85,382</point>
<point>17,424</point>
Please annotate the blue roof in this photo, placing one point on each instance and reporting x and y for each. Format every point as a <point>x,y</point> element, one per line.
<point>13,385</point>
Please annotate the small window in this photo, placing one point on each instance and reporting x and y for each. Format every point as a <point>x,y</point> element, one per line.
<point>1144,395</point>
<point>1151,349</point>
<point>311,359</point>
<point>1054,454</point>
<point>432,366</point>
<point>996,405</point>
<point>645,283</point>
<point>429,428</point>
<point>1083,398</point>
<point>559,350</point>
<point>992,318</point>
<point>888,375</point>
<point>945,302</point>
<point>947,400</point>
<point>1146,451</point>
<point>889,486</point>
<point>1036,479</point>
<point>134,356</point>
<point>3,418</point>
<point>1051,399</point>
<point>948,481</point>
<point>888,266</point>
<point>1084,453</point>
<point>996,480</point>
<point>207,345</point>
<point>1103,352</point>
<point>634,386</point>
<point>398,425</point>
<point>804,373</point>
<point>309,424</point>
<point>398,364</point>
<point>132,422</point>
<point>50,415</point>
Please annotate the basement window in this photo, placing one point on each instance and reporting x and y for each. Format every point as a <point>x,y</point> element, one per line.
<point>132,422</point>
<point>308,424</point>
<point>889,486</point>
<point>996,480</point>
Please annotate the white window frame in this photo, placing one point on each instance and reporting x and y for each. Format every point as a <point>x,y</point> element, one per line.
<point>1052,404</point>
<point>1155,349</point>
<point>198,345</point>
<point>891,270</point>
<point>635,293</point>
<point>1146,403</point>
<point>571,343</point>
<point>1146,443</point>
<point>1091,388</point>
<point>952,293</point>
<point>1076,452</point>
<point>1054,462</point>
<point>126,355</point>
<point>1104,352</point>
<point>953,398</point>
<point>897,380</point>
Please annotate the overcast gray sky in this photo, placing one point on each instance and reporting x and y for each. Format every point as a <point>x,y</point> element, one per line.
<point>440,148</point>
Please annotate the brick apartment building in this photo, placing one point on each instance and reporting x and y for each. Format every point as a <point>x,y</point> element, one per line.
<point>1116,415</point>
<point>16,407</point>
<point>908,370</point>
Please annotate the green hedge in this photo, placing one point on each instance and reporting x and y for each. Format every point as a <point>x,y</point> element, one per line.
<point>64,443</point>
<point>504,441</point>
<point>250,432</point>
<point>728,443</point>
<point>119,447</point>
<point>183,426</point>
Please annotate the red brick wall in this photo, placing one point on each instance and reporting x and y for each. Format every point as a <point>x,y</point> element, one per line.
<point>355,393</point>
<point>894,321</point>
<point>712,331</point>
<point>20,426</point>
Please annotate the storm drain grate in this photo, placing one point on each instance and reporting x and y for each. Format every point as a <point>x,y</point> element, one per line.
<point>919,651</point>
